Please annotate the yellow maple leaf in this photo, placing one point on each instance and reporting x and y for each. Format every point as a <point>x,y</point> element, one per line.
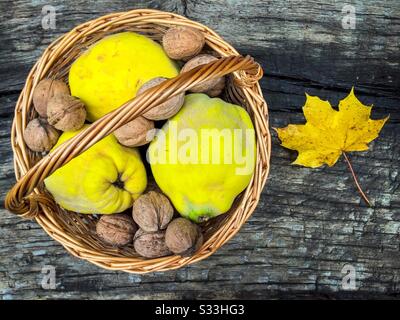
<point>328,133</point>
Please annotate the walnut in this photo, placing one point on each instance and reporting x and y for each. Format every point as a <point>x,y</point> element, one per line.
<point>152,211</point>
<point>66,113</point>
<point>117,229</point>
<point>151,244</point>
<point>211,87</point>
<point>182,43</point>
<point>137,132</point>
<point>183,237</point>
<point>44,91</point>
<point>39,136</point>
<point>166,109</point>
<point>217,90</point>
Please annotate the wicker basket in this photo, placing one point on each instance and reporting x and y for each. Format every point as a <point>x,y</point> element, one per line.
<point>75,231</point>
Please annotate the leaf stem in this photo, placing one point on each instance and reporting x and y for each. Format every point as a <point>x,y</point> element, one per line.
<point>355,179</point>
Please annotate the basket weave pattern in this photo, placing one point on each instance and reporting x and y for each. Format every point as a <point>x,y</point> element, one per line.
<point>76,232</point>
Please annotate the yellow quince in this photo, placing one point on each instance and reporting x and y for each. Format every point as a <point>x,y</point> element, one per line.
<point>111,71</point>
<point>204,156</point>
<point>104,179</point>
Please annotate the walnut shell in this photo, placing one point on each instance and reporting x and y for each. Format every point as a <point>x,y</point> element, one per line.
<point>152,211</point>
<point>151,244</point>
<point>137,132</point>
<point>182,43</point>
<point>166,109</point>
<point>66,113</point>
<point>183,237</point>
<point>117,229</point>
<point>211,87</point>
<point>39,136</point>
<point>44,91</point>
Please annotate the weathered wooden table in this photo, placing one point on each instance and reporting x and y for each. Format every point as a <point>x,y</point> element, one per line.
<point>310,223</point>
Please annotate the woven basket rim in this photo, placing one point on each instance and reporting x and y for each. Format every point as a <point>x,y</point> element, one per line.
<point>250,90</point>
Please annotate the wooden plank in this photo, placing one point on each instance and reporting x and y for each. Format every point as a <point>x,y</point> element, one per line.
<point>303,47</point>
<point>301,44</point>
<point>309,222</point>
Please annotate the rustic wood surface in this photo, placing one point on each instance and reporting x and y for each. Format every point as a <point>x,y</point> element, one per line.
<point>309,222</point>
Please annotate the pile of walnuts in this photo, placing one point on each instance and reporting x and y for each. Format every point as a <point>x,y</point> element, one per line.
<point>151,228</point>
<point>57,110</point>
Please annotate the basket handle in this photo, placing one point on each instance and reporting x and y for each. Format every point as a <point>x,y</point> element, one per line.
<point>25,199</point>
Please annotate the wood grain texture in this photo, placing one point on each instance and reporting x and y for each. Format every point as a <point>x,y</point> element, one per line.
<point>309,222</point>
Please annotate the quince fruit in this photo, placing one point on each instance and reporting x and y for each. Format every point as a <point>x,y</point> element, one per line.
<point>111,71</point>
<point>104,179</point>
<point>204,156</point>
